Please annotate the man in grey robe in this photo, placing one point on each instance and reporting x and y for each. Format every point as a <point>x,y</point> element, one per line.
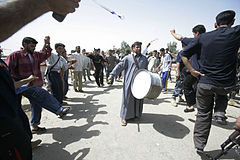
<point>131,107</point>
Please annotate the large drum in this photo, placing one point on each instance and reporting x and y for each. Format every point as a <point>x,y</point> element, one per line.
<point>146,84</point>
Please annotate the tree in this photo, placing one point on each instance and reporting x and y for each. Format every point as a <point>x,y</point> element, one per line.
<point>172,46</point>
<point>124,47</point>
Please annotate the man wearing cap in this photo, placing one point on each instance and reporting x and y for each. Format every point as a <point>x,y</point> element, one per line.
<point>131,107</point>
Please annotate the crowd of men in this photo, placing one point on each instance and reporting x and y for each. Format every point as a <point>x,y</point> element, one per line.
<point>208,61</point>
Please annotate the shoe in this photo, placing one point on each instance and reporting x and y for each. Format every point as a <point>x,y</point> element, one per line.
<point>39,130</point>
<point>65,97</point>
<point>174,103</point>
<point>64,112</point>
<point>188,110</point>
<point>80,90</point>
<point>36,143</point>
<point>123,122</point>
<point>220,120</point>
<point>164,90</point>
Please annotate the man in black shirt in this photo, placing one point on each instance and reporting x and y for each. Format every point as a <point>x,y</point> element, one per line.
<point>218,53</point>
<point>98,64</point>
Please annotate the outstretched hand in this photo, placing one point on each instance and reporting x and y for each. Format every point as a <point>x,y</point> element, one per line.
<point>172,31</point>
<point>47,40</point>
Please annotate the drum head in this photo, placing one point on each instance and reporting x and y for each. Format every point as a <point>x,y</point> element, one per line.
<point>141,84</point>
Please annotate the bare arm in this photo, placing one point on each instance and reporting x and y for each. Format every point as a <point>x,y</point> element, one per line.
<point>17,13</point>
<point>175,35</point>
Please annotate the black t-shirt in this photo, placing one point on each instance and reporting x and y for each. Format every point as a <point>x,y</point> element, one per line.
<point>218,55</point>
<point>8,97</point>
<point>97,60</point>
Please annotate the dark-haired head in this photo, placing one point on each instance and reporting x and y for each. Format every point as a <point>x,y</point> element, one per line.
<point>199,29</point>
<point>28,40</point>
<point>136,44</point>
<point>128,52</point>
<point>137,47</point>
<point>225,18</point>
<point>59,45</point>
<point>162,49</point>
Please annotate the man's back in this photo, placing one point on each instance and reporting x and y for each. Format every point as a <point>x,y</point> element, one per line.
<point>219,56</point>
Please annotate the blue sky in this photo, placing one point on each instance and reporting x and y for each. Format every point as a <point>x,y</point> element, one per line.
<point>91,26</point>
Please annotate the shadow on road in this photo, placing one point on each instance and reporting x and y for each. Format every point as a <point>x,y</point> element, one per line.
<point>86,108</point>
<point>156,101</point>
<point>55,151</point>
<point>165,124</point>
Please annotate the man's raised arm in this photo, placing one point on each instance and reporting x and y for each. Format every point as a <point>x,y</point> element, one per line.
<point>175,35</point>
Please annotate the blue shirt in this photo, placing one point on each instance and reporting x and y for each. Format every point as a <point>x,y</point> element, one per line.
<point>218,55</point>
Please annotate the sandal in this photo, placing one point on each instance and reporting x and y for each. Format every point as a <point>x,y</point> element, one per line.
<point>39,130</point>
<point>123,122</point>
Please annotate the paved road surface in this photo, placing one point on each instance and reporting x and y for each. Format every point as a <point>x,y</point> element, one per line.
<point>92,130</point>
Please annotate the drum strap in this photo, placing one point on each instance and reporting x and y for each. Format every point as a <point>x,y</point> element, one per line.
<point>136,62</point>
